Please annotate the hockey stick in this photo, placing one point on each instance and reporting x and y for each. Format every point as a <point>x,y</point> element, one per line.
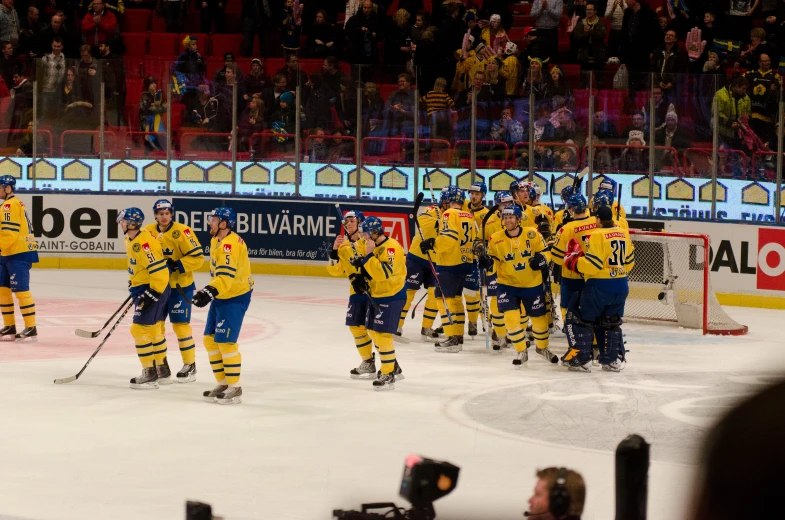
<point>553,188</point>
<point>618,201</point>
<point>74,378</point>
<point>486,311</point>
<point>419,302</point>
<point>417,203</point>
<point>576,183</point>
<point>182,293</point>
<point>430,187</point>
<point>87,334</point>
<point>356,255</point>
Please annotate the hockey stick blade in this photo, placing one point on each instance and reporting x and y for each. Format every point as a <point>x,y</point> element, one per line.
<point>87,334</point>
<point>579,178</point>
<point>65,380</point>
<point>182,293</point>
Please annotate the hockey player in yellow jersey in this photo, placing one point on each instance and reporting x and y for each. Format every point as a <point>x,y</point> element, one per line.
<point>612,186</point>
<point>184,255</point>
<point>520,257</point>
<point>534,206</point>
<point>18,253</point>
<point>419,274</point>
<point>454,247</point>
<point>149,286</point>
<point>385,264</point>
<point>475,205</point>
<point>579,227</point>
<point>229,294</point>
<point>501,199</point>
<point>605,198</point>
<point>604,262</point>
<point>563,214</point>
<point>346,248</point>
<point>520,196</point>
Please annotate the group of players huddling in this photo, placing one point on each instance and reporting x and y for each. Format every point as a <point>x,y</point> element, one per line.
<point>509,257</point>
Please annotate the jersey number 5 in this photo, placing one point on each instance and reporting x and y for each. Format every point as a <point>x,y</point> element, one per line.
<point>618,252</point>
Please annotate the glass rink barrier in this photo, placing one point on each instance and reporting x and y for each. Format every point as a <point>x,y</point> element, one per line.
<point>697,147</point>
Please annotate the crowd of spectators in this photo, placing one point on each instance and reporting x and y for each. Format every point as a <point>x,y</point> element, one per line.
<point>459,55</point>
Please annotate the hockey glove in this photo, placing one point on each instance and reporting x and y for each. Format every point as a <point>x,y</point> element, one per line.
<point>334,254</point>
<point>427,245</point>
<point>357,261</point>
<point>205,296</point>
<point>573,254</point>
<point>555,273</point>
<point>359,284</point>
<point>478,248</point>
<point>175,266</point>
<point>147,298</point>
<point>538,262</point>
<point>485,262</point>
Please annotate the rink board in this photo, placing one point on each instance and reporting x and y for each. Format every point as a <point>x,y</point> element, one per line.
<point>294,237</point>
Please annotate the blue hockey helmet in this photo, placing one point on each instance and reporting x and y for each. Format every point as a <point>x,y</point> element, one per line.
<point>443,196</point>
<point>8,180</point>
<point>226,214</point>
<point>162,204</point>
<point>455,194</point>
<point>371,224</point>
<point>512,211</point>
<point>479,186</point>
<point>534,191</point>
<point>608,184</point>
<point>501,197</point>
<point>602,198</point>
<point>516,185</point>
<point>577,203</point>
<point>131,216</point>
<point>566,192</point>
<point>353,213</point>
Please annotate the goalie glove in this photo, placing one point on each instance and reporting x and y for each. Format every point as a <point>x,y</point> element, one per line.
<point>359,284</point>
<point>573,254</point>
<point>205,296</point>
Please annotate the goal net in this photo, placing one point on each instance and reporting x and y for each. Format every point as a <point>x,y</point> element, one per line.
<point>670,283</point>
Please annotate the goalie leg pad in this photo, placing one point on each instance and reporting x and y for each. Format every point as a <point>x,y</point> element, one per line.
<point>614,341</point>
<point>579,337</point>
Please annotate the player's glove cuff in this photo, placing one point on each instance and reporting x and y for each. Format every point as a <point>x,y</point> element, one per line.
<point>357,261</point>
<point>427,245</point>
<point>205,296</point>
<point>485,262</point>
<point>175,266</point>
<point>334,254</point>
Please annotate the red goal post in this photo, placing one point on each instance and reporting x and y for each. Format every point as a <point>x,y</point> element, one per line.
<point>671,284</point>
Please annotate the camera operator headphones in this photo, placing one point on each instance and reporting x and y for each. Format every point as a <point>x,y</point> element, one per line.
<point>560,497</point>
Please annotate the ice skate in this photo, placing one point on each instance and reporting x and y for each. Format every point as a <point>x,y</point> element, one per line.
<point>616,366</point>
<point>187,374</point>
<point>384,382</point>
<point>232,395</point>
<point>472,329</point>
<point>211,395</point>
<point>520,358</point>
<point>397,371</point>
<point>147,381</point>
<point>366,370</point>
<point>576,366</point>
<point>164,373</point>
<point>28,335</point>
<point>428,334</point>
<point>548,355</point>
<point>8,333</point>
<point>439,331</point>
<point>450,345</point>
<point>496,343</point>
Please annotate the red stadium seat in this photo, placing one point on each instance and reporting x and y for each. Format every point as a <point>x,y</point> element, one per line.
<point>159,68</point>
<point>136,20</point>
<point>309,66</point>
<point>134,67</point>
<point>135,44</point>
<point>386,89</point>
<point>213,64</point>
<point>158,24</point>
<point>273,65</point>
<point>164,45</point>
<point>223,43</point>
<point>134,89</point>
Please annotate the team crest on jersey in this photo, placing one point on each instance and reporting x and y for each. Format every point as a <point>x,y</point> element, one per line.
<point>531,234</point>
<point>6,206</point>
<point>136,248</point>
<point>227,248</point>
<point>390,251</point>
<point>187,232</point>
<point>175,234</point>
<point>146,247</point>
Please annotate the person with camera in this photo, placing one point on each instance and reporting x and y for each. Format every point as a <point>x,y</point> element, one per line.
<point>559,494</point>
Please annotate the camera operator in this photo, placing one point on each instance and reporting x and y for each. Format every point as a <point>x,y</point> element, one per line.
<point>559,494</point>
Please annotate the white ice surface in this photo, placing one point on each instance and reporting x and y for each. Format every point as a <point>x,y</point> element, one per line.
<point>308,439</point>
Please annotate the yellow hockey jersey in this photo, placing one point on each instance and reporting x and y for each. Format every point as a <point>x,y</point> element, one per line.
<point>229,266</point>
<point>343,266</point>
<point>558,219</point>
<point>179,243</point>
<point>609,256</point>
<point>146,262</point>
<point>387,268</point>
<point>618,210</point>
<point>532,212</point>
<point>511,257</point>
<point>16,233</point>
<point>478,214</point>
<point>455,240</point>
<point>579,230</point>
<point>428,221</point>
